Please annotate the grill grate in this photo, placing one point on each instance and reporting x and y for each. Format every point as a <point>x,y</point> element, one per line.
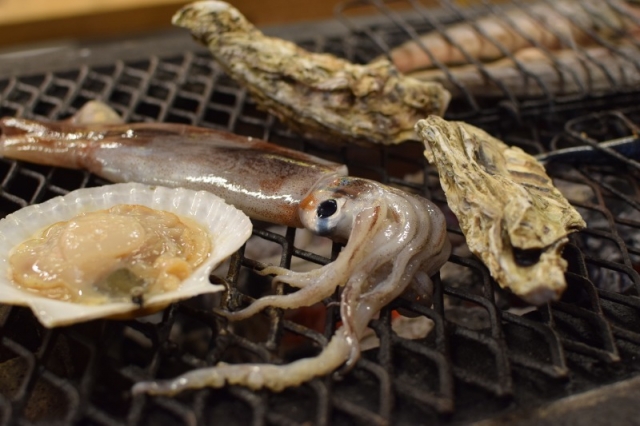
<point>406,20</point>
<point>485,355</point>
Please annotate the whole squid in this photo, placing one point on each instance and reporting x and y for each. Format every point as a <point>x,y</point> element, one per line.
<point>394,240</point>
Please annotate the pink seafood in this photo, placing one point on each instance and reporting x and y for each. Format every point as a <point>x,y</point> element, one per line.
<point>394,240</point>
<point>562,24</point>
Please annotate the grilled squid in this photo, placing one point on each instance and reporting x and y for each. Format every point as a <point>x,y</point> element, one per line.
<point>394,240</point>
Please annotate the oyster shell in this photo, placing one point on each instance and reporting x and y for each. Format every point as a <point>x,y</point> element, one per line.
<point>318,95</point>
<point>228,229</point>
<point>512,216</point>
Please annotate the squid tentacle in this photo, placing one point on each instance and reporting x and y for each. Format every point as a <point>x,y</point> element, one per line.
<point>324,280</point>
<point>411,256</point>
<point>402,267</point>
<point>292,278</point>
<point>348,301</point>
<point>305,296</point>
<point>254,376</point>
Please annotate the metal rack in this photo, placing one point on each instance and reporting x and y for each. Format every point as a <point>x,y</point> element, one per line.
<point>487,354</point>
<point>406,20</point>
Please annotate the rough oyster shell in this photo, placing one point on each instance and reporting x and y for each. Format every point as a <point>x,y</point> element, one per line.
<point>506,205</point>
<point>228,227</point>
<point>316,94</point>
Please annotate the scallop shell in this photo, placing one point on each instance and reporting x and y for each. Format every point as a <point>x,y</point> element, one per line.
<point>506,205</point>
<point>229,229</point>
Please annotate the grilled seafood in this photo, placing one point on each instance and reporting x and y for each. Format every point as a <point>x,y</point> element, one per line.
<point>201,159</point>
<point>318,95</point>
<point>117,250</point>
<point>512,216</point>
<point>535,73</point>
<point>110,253</point>
<point>393,240</point>
<point>558,25</point>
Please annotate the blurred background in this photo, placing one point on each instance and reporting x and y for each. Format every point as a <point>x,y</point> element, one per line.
<point>28,22</point>
<point>37,21</point>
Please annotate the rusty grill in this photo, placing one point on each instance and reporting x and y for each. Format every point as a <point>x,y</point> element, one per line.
<point>487,354</point>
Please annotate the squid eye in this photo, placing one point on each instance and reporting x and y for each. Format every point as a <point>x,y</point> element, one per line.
<point>327,208</point>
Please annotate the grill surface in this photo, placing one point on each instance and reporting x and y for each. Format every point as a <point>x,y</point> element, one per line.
<point>487,353</point>
<point>406,20</point>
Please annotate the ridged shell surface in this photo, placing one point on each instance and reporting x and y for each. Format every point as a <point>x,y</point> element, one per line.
<point>228,228</point>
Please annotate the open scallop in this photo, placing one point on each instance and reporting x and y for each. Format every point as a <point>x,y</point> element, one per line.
<point>228,229</point>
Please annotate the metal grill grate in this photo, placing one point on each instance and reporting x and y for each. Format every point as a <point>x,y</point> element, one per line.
<point>406,20</point>
<point>486,354</point>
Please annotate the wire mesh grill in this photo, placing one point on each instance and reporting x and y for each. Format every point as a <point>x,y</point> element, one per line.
<point>588,71</point>
<point>485,354</point>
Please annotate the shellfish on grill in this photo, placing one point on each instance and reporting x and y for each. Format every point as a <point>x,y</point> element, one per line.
<point>122,247</point>
<point>511,214</point>
<point>318,95</point>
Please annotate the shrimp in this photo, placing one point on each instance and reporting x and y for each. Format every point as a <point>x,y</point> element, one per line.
<point>593,70</point>
<point>563,24</point>
<point>394,240</point>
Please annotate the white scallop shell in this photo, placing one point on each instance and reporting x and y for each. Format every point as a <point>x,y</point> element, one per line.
<point>228,227</point>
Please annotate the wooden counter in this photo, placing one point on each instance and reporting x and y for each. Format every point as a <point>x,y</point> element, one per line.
<point>28,21</point>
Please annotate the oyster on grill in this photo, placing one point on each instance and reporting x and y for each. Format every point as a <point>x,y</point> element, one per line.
<point>318,95</point>
<point>115,251</point>
<point>512,216</point>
